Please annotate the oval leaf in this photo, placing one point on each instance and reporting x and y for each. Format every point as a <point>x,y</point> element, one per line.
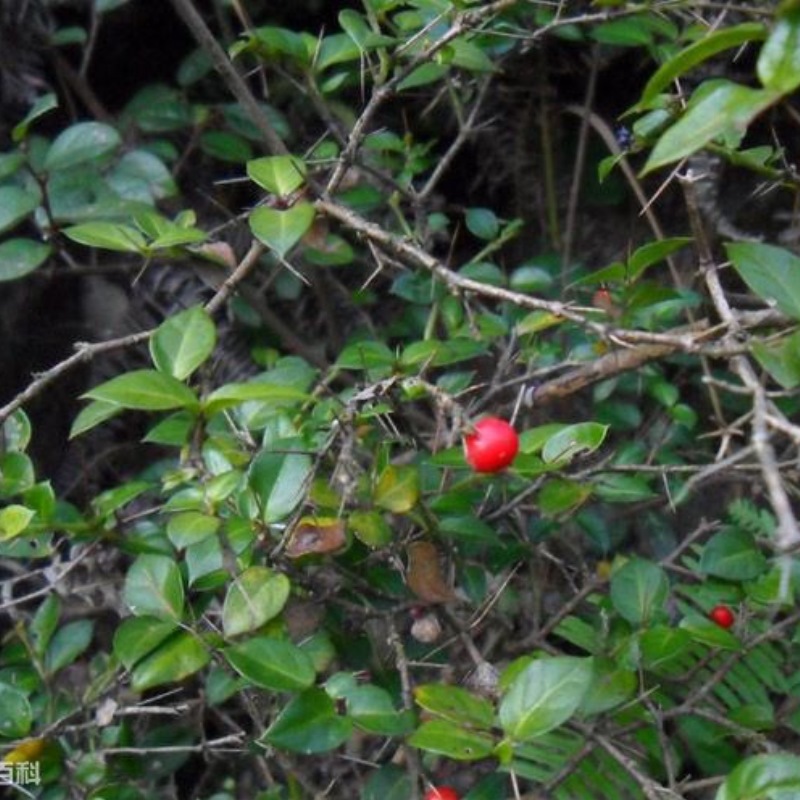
<point>639,590</point>
<point>18,257</point>
<point>309,724</point>
<point>146,390</point>
<point>153,587</point>
<point>545,695</point>
<point>85,141</point>
<point>279,481</point>
<point>771,272</point>
<point>280,175</point>
<point>257,596</point>
<point>452,740</point>
<point>179,657</point>
<point>275,664</point>
<point>759,776</point>
<point>183,342</point>
<point>15,205</point>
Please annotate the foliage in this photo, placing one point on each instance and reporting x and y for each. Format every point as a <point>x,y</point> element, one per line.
<point>306,565</point>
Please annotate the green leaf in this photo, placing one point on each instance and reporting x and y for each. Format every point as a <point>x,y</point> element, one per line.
<point>15,205</point>
<point>45,104</point>
<point>718,109</point>
<point>703,630</point>
<point>584,437</point>
<point>95,413</point>
<point>154,587</point>
<point>397,489</point>
<point>107,235</point>
<point>138,636</point>
<point>234,394</point>
<point>639,591</point>
<point>371,709</point>
<point>733,555</point>
<point>611,686</point>
<point>562,496</point>
<point>468,55</point>
<point>82,142</point>
<point>358,29</point>
<point>781,359</point>
<point>778,66</point>
<point>365,355</point>
<point>309,724</point>
<point>616,488</point>
<point>177,658</point>
<point>653,252</point>
<point>279,481</point>
<point>455,704</point>
<point>280,175</point>
<point>190,527</point>
<point>370,527</point>
<point>183,342</point>
<point>14,519</point>
<point>18,257</point>
<point>768,776</point>
<point>451,740</point>
<point>482,222</point>
<point>423,75</point>
<point>69,642</point>
<point>44,623</point>
<point>275,664</point>
<point>663,648</point>
<point>771,272</point>
<point>723,38</point>
<point>255,597</point>
<point>282,230</point>
<point>16,716</point>
<point>545,695</point>
<point>106,503</point>
<point>387,782</point>
<point>146,390</point>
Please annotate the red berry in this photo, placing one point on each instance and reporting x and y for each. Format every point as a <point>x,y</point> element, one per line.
<point>441,793</point>
<point>491,446</point>
<point>722,615</point>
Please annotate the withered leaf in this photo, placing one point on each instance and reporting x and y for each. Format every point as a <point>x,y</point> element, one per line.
<point>317,536</point>
<point>424,574</point>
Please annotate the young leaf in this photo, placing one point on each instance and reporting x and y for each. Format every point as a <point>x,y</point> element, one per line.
<point>397,489</point>
<point>183,342</point>
<point>280,175</point>
<point>545,695</point>
<point>107,235</point>
<point>146,390</point>
<point>282,230</point>
<point>14,519</point>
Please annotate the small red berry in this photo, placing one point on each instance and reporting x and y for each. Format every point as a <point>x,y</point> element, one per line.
<point>491,446</point>
<point>722,616</point>
<point>441,793</point>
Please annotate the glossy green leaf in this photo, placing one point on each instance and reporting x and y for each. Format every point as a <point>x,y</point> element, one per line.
<point>82,142</point>
<point>451,740</point>
<point>372,710</point>
<point>282,230</point>
<point>703,630</point>
<point>545,695</point>
<point>16,716</point>
<point>767,776</point>
<point>255,597</point>
<point>275,664</point>
<point>733,555</point>
<point>719,40</point>
<point>723,109</point>
<point>111,500</point>
<point>778,65</point>
<point>233,394</point>
<point>482,222</point>
<point>108,236</point>
<point>183,342</point>
<point>92,415</point>
<point>639,591</point>
<point>583,437</point>
<point>180,656</point>
<point>279,481</point>
<point>146,390</point>
<point>190,527</point>
<point>18,257</point>
<point>16,476</point>
<point>309,724</point>
<point>455,704</point>
<point>397,489</point>
<point>16,432</point>
<point>773,273</point>
<point>14,519</point>
<point>15,205</point>
<point>561,496</point>
<point>69,642</point>
<point>280,175</point>
<point>136,637</point>
<point>142,176</point>
<point>365,355</point>
<point>154,587</point>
